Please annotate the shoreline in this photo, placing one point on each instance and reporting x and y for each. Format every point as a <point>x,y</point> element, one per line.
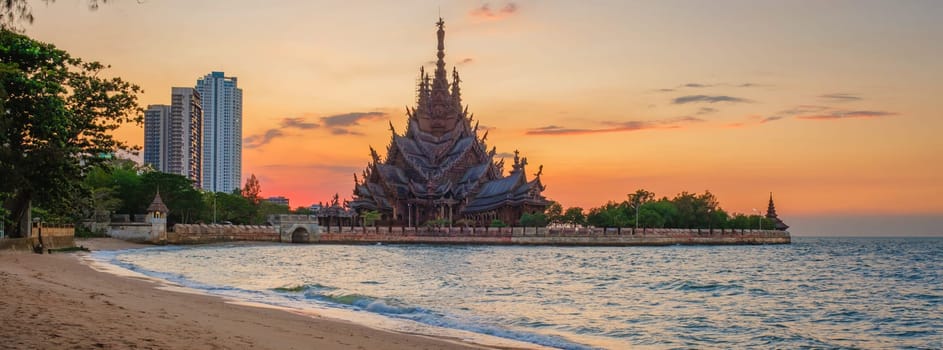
<point>62,300</point>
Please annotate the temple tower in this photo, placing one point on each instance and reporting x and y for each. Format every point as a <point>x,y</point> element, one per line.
<point>771,215</point>
<point>439,169</point>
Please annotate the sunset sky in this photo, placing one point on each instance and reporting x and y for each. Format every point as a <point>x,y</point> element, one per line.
<point>834,106</point>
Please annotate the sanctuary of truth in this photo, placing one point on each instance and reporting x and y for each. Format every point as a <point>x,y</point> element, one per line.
<point>440,169</point>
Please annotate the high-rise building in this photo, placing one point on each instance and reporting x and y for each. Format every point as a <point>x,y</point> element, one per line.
<point>186,130</point>
<point>280,200</point>
<point>156,129</point>
<point>173,135</point>
<point>222,132</point>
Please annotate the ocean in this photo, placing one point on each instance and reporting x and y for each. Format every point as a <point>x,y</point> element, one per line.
<point>814,293</point>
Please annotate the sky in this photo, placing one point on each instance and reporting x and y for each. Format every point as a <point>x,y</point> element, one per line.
<point>833,106</point>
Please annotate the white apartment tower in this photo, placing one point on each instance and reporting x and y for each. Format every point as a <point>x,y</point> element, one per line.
<point>222,132</point>
<point>173,135</point>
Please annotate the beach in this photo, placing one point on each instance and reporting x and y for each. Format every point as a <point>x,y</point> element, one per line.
<point>60,301</point>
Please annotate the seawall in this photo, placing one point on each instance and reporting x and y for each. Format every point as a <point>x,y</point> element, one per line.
<point>54,237</point>
<point>196,234</point>
<point>544,236</point>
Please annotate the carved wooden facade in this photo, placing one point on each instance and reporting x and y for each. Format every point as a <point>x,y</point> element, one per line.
<point>440,168</point>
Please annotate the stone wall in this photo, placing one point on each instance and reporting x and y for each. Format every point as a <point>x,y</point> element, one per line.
<point>195,234</point>
<point>130,231</point>
<point>546,236</point>
<point>54,237</point>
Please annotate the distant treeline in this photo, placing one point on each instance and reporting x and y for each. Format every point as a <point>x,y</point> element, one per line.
<point>122,187</point>
<point>641,208</point>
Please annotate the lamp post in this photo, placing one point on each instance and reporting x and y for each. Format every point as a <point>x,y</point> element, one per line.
<point>636,206</point>
<point>214,206</point>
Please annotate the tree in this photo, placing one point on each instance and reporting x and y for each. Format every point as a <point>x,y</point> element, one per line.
<point>370,217</point>
<point>302,211</point>
<point>233,208</point>
<point>612,214</point>
<point>267,208</point>
<point>252,190</point>
<point>184,201</point>
<point>574,216</point>
<point>554,213</point>
<point>533,220</point>
<point>641,197</point>
<point>57,118</point>
<point>15,11</point>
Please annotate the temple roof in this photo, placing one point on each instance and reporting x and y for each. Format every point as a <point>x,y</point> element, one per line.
<point>157,205</point>
<point>771,215</point>
<point>440,155</point>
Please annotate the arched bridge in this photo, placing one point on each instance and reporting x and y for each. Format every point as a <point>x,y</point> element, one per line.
<point>296,228</point>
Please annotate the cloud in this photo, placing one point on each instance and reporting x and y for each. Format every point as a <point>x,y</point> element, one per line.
<point>841,114</point>
<point>706,110</point>
<point>624,126</point>
<point>259,140</point>
<point>705,86</point>
<point>815,112</point>
<point>504,155</point>
<point>340,124</point>
<point>465,61</point>
<point>840,97</point>
<point>336,124</point>
<point>485,12</point>
<point>350,119</point>
<point>298,123</point>
<point>708,99</point>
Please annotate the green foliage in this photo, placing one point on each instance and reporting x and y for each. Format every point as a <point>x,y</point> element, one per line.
<point>497,223</point>
<point>229,207</point>
<point>370,217</point>
<point>266,208</point>
<point>573,216</point>
<point>84,232</point>
<point>437,223</point>
<point>610,215</point>
<point>534,220</point>
<point>58,114</point>
<point>464,222</point>
<point>302,211</point>
<point>686,210</point>
<point>554,213</point>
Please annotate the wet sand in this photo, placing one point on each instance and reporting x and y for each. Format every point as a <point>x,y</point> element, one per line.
<point>58,301</point>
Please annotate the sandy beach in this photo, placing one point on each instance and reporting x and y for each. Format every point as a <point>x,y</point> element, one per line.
<point>59,302</point>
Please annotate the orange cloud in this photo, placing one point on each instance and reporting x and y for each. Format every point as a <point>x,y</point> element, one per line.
<point>486,13</point>
<point>634,125</point>
<point>848,115</point>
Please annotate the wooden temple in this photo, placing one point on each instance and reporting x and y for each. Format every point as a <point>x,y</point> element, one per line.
<point>440,169</point>
<point>778,224</point>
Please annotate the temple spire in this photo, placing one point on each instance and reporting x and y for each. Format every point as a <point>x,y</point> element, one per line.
<point>440,80</point>
<point>771,215</point>
<point>771,210</point>
<point>456,91</point>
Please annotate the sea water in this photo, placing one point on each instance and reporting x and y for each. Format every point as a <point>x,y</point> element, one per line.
<point>816,292</point>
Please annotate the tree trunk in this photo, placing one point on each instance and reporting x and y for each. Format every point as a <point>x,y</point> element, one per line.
<point>19,208</point>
